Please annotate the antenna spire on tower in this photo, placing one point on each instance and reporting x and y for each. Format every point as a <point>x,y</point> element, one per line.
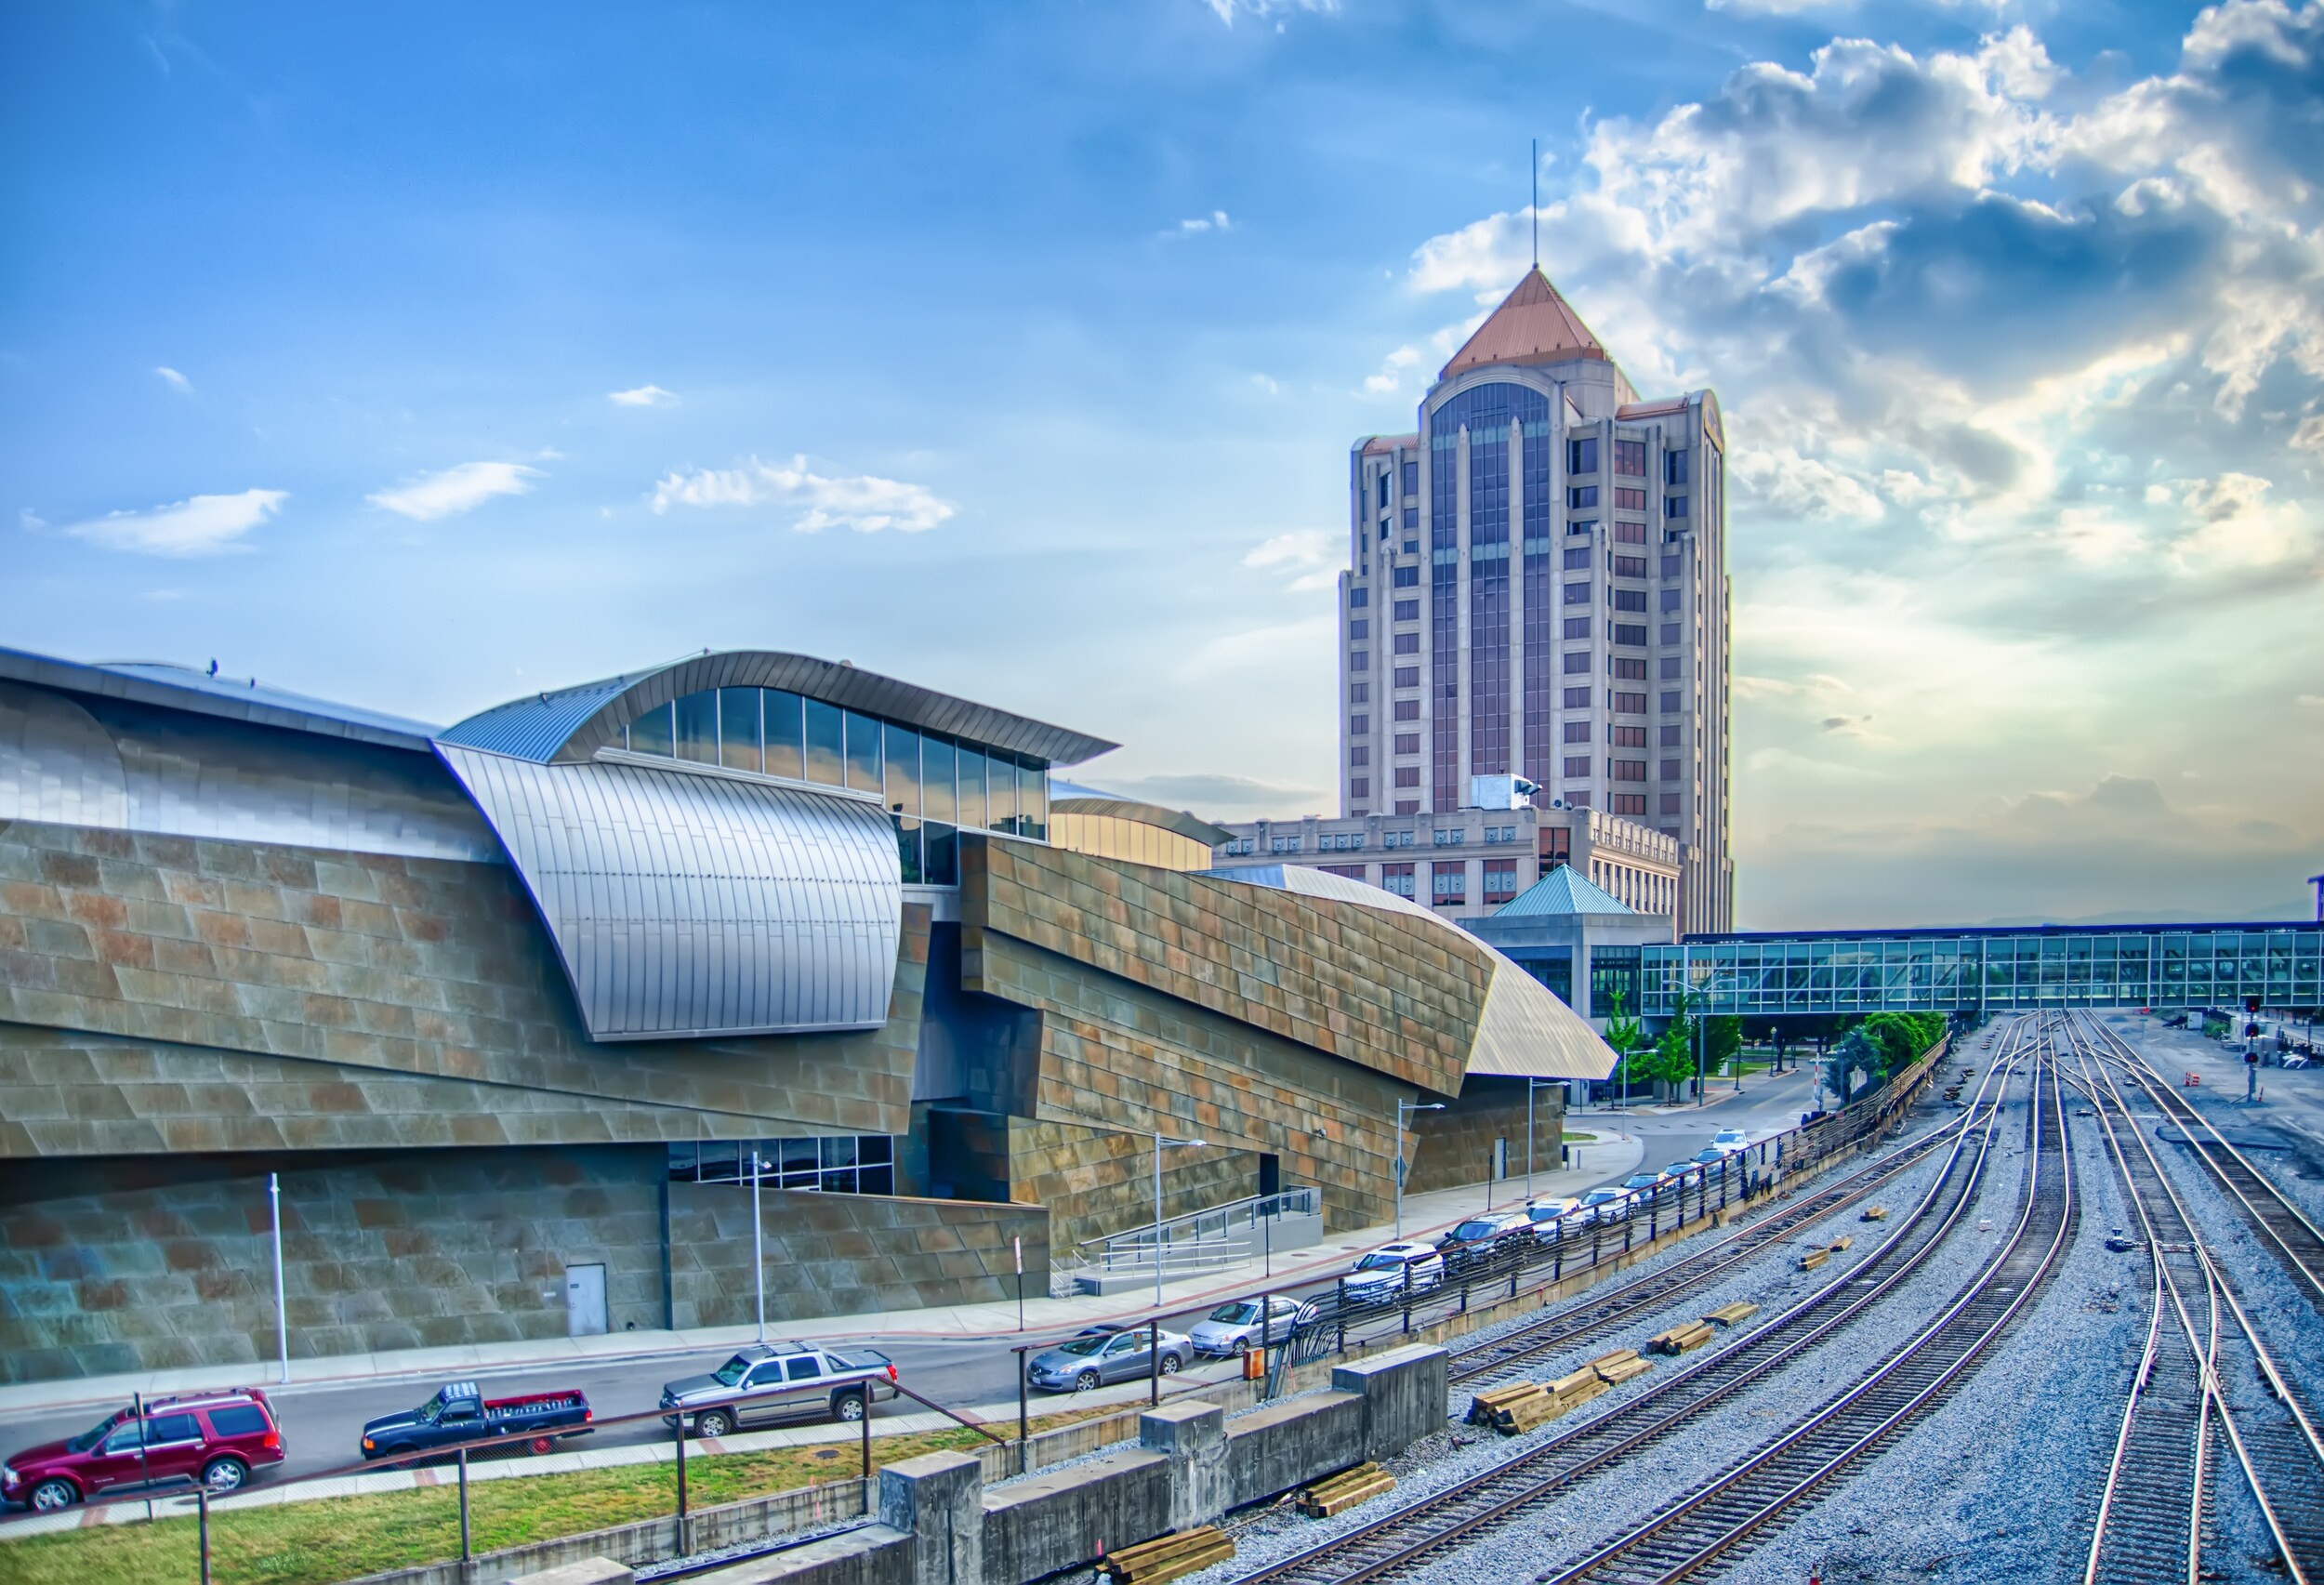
<point>1535,211</point>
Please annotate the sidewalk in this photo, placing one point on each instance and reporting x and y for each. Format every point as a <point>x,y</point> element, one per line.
<point>1612,1156</point>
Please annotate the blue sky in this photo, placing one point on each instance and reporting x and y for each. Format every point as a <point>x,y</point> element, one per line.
<point>424,355</point>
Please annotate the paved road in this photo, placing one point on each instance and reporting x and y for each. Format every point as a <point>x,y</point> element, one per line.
<point>322,1423</point>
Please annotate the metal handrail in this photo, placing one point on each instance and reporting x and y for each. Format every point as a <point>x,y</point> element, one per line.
<point>1199,1225</point>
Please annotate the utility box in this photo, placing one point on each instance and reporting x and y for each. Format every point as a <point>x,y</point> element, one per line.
<point>1501,792</point>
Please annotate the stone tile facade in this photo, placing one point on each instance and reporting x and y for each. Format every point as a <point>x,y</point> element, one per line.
<point>416,967</point>
<point>1454,1146</point>
<point>844,1254</point>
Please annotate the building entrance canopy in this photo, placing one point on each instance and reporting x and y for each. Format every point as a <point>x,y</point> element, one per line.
<point>1997,970</point>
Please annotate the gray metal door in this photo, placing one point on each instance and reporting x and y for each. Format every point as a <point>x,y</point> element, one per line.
<point>585,1301</point>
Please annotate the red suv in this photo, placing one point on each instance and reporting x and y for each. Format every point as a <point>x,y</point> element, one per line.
<point>217,1438</point>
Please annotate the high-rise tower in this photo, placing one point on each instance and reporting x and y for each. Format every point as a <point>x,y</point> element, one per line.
<point>1538,587</point>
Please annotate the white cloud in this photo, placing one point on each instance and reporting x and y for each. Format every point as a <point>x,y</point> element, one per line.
<point>457,489</point>
<point>1214,221</point>
<point>860,502</point>
<point>1268,384</point>
<point>1303,551</point>
<point>643,396</point>
<point>1259,10</point>
<point>200,525</point>
<point>173,379</point>
<point>1391,371</point>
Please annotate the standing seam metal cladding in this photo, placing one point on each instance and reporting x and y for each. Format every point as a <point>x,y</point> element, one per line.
<point>692,904</point>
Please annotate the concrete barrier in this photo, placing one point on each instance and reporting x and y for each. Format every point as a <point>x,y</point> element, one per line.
<point>873,1556</point>
<point>1193,1437</point>
<point>938,1500</point>
<point>1035,1526</point>
<point>1404,1398</point>
<point>594,1571</point>
<point>1287,1444</point>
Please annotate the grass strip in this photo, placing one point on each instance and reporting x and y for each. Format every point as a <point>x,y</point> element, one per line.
<point>336,1538</point>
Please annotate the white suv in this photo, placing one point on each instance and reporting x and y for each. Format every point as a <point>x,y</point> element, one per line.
<point>1379,1277</point>
<point>1731,1140</point>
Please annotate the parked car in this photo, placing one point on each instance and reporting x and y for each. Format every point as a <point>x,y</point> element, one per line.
<point>1606,1205</point>
<point>1236,1328</point>
<point>780,1382</point>
<point>220,1439</point>
<point>1486,1237</point>
<point>1711,1158</point>
<point>1381,1276</point>
<point>1731,1139</point>
<point>459,1412</point>
<point>1102,1356</point>
<point>1646,1186</point>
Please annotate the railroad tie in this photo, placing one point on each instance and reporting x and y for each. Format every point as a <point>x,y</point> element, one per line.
<point>1681,1338</point>
<point>1171,1557</point>
<point>1483,1408</point>
<point>1874,1213</point>
<point>1813,1259</point>
<point>1732,1315</point>
<point>1345,1490</point>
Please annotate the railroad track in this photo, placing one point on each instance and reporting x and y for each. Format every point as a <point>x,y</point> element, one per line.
<point>2297,1243</point>
<point>1601,1312</point>
<point>2180,1426</point>
<point>1422,1533</point>
<point>1728,1515</point>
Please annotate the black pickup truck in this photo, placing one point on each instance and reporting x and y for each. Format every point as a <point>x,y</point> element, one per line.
<point>460,1413</point>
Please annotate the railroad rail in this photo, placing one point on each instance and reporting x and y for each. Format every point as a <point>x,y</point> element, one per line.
<point>2297,1243</point>
<point>1419,1533</point>
<point>1730,1513</point>
<point>1602,1311</point>
<point>2150,1525</point>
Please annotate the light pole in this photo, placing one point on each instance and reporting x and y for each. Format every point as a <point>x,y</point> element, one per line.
<point>282,1309</point>
<point>1161,1139</point>
<point>1531,1084</point>
<point>758,1243</point>
<point>1404,1109</point>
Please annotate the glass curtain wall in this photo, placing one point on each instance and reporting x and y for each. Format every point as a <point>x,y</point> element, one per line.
<point>932,786</point>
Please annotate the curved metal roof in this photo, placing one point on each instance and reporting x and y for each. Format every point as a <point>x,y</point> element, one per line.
<point>243,699</point>
<point>569,725</point>
<point>1071,797</point>
<point>685,904</point>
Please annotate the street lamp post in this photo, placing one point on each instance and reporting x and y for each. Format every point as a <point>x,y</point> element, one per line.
<point>1404,1109</point>
<point>758,1243</point>
<point>1161,1139</point>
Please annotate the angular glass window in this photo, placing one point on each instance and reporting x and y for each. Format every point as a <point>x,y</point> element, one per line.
<point>1032,803</point>
<point>863,753</point>
<point>936,781</point>
<point>698,727</point>
<point>972,795</point>
<point>785,753</point>
<point>739,747</point>
<point>1000,794</point>
<point>649,733</point>
<point>940,864</point>
<point>827,747</point>
<point>902,773</point>
<point>908,847</point>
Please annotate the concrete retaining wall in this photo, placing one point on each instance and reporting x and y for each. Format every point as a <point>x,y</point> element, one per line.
<point>1291,1444</point>
<point>1044,1523</point>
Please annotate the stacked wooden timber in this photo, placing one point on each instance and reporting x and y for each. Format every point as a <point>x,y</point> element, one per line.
<point>1485,1405</point>
<point>1874,1213</point>
<point>1344,1490</point>
<point>1732,1315</point>
<point>1171,1557</point>
<point>1813,1257</point>
<point>1681,1338</point>
<point>1620,1365</point>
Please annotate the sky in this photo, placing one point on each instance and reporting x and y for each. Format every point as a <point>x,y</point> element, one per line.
<point>424,355</point>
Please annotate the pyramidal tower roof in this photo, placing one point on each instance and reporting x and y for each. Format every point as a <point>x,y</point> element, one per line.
<point>1533,325</point>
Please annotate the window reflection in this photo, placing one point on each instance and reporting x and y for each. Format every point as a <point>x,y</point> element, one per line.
<point>972,795</point>
<point>863,753</point>
<point>1000,795</point>
<point>938,767</point>
<point>786,755</point>
<point>698,727</point>
<point>903,772</point>
<point>650,733</point>
<point>1033,801</point>
<point>738,729</point>
<point>940,861</point>
<point>826,743</point>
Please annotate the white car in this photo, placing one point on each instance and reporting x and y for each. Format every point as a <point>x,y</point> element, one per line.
<point>1731,1140</point>
<point>1381,1275</point>
<point>1234,1329</point>
<point>1551,1212</point>
<point>1604,1204</point>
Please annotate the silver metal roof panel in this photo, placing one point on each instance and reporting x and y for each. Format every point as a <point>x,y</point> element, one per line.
<point>243,699</point>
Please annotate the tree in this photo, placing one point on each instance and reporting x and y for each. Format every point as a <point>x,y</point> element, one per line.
<point>1626,1037</point>
<point>1722,1041</point>
<point>1897,1040</point>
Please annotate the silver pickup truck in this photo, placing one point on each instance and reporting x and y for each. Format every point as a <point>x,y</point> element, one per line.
<point>780,1382</point>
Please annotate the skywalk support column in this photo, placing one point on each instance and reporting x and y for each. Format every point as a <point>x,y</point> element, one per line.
<point>1192,1437</point>
<point>938,1500</point>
